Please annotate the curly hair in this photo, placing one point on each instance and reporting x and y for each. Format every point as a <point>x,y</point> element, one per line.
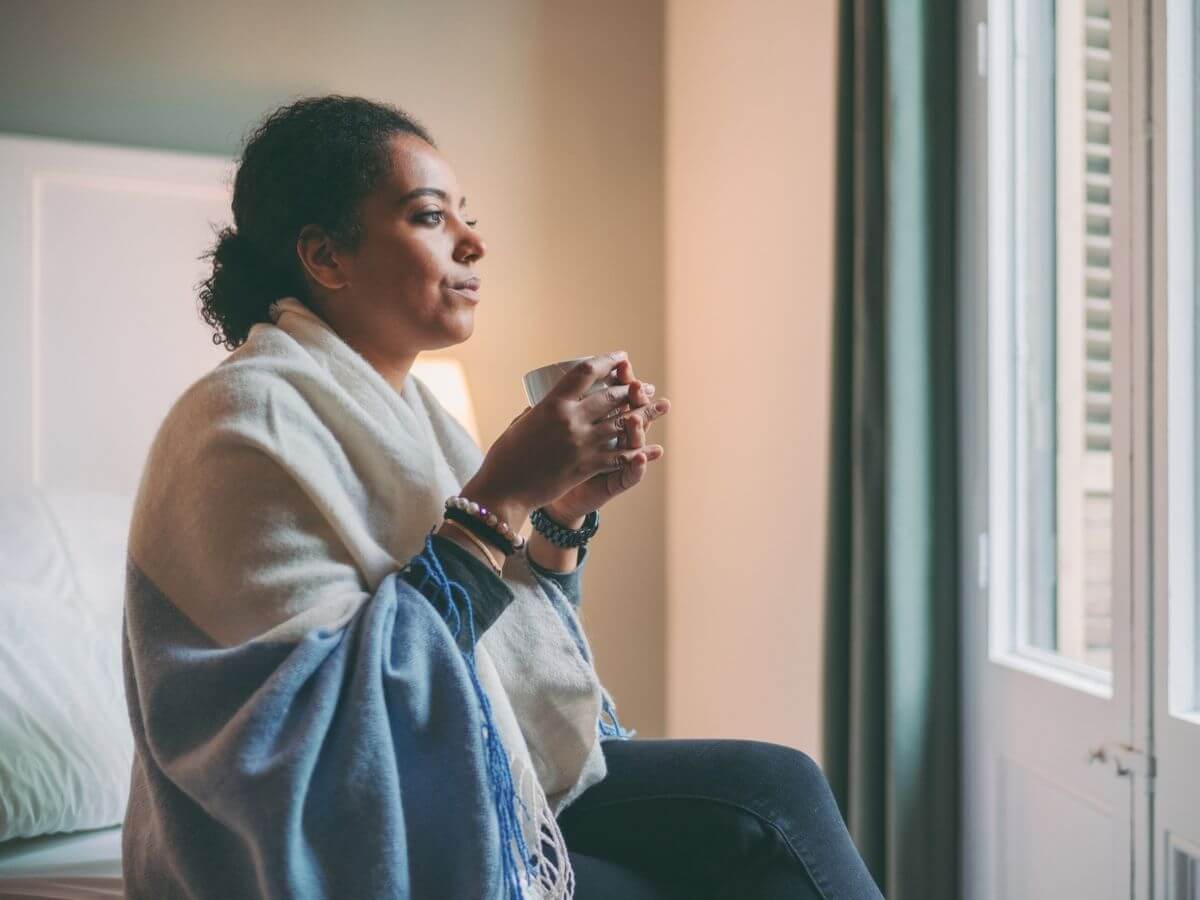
<point>310,162</point>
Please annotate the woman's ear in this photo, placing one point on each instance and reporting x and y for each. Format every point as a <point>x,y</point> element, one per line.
<point>325,264</point>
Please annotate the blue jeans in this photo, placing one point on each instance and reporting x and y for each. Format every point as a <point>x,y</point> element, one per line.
<point>719,819</point>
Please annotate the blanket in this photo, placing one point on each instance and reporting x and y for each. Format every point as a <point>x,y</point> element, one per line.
<point>305,724</point>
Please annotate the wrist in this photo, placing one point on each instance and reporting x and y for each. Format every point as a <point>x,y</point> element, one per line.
<point>564,518</point>
<point>454,535</point>
<point>507,509</point>
<point>550,556</point>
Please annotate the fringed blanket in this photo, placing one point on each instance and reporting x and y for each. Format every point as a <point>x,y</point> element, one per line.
<point>305,723</point>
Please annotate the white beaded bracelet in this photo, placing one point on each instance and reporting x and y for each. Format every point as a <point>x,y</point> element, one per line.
<point>484,515</point>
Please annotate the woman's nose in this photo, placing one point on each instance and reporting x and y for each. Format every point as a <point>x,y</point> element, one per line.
<point>472,247</point>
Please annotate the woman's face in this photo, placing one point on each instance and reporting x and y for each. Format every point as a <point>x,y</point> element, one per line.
<point>410,285</point>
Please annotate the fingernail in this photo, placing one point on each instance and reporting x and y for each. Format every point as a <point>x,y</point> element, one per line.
<point>649,389</point>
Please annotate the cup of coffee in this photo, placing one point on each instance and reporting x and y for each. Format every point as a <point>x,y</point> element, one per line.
<point>538,383</point>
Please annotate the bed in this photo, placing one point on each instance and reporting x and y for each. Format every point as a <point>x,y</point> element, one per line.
<point>103,244</point>
<point>83,865</point>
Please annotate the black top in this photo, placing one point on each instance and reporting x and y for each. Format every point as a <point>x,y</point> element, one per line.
<point>489,593</point>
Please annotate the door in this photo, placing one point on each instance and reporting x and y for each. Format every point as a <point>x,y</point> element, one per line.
<point>1174,72</point>
<point>1059,775</point>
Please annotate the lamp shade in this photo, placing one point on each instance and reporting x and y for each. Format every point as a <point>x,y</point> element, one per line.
<point>448,381</point>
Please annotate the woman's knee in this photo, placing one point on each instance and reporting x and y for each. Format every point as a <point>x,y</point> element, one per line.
<point>803,772</point>
<point>776,780</point>
<point>778,764</point>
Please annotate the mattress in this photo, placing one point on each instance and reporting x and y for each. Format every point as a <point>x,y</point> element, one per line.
<point>85,865</point>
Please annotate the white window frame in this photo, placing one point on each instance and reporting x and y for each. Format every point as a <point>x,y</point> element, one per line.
<point>1183,341</point>
<point>1009,278</point>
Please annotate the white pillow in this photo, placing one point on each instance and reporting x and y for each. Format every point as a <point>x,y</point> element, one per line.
<point>63,723</point>
<point>94,528</point>
<point>32,558</point>
<point>65,743</point>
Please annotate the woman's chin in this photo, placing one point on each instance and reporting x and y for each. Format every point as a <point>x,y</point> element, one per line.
<point>457,329</point>
<point>466,326</point>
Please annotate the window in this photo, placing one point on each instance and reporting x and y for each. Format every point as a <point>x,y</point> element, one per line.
<point>1083,619</point>
<point>1051,382</point>
<point>1183,635</point>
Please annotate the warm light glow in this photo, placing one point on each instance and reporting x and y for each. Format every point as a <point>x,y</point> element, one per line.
<point>446,378</point>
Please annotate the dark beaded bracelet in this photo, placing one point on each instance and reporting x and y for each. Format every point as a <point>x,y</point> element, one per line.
<point>481,529</point>
<point>561,535</point>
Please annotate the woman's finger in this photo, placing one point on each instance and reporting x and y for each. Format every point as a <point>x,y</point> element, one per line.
<point>578,379</point>
<point>622,426</point>
<point>623,373</point>
<point>604,404</point>
<point>645,396</point>
<point>640,395</point>
<point>635,430</point>
<point>631,474</point>
<point>618,460</point>
<point>647,414</point>
<point>627,477</point>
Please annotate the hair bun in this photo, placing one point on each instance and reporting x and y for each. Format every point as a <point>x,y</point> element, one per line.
<point>232,248</point>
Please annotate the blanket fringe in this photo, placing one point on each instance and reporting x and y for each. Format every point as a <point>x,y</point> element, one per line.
<point>613,730</point>
<point>552,878</point>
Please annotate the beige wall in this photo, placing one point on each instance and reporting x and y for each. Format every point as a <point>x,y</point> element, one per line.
<point>551,113</point>
<point>750,151</point>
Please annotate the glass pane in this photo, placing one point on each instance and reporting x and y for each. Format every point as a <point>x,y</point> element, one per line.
<point>1191,375</point>
<point>1188,376</point>
<point>1063,341</point>
<point>1182,638</point>
<point>1185,877</point>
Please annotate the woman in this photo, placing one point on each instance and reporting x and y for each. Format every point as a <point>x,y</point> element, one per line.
<point>348,675</point>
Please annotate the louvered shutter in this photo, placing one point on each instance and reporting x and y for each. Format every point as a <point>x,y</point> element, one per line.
<point>1084,339</point>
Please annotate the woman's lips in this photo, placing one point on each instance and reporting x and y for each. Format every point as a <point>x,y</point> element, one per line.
<point>468,289</point>
<point>469,293</point>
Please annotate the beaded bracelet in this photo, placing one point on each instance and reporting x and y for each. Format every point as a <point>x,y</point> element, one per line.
<point>479,529</point>
<point>489,525</point>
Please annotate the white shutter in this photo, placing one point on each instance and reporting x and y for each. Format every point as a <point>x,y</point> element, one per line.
<point>1098,214</point>
<point>1084,340</point>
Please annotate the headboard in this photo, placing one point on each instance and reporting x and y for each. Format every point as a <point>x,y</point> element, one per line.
<point>100,248</point>
<point>101,334</point>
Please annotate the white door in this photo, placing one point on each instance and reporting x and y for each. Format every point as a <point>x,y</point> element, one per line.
<point>1058,774</point>
<point>1176,841</point>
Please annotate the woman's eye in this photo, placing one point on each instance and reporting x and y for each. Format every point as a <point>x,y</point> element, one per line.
<point>438,215</point>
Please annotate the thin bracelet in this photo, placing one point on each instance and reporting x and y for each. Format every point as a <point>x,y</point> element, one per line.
<point>480,544</point>
<point>481,530</point>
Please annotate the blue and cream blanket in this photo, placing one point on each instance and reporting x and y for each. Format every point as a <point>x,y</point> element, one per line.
<point>305,724</point>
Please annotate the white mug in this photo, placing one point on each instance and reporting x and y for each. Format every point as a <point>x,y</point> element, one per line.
<point>539,382</point>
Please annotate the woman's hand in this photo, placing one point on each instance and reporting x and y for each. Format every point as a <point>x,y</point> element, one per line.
<point>558,443</point>
<point>638,415</point>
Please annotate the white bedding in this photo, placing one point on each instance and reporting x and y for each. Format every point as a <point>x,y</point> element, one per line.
<point>67,749</point>
<point>81,866</point>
